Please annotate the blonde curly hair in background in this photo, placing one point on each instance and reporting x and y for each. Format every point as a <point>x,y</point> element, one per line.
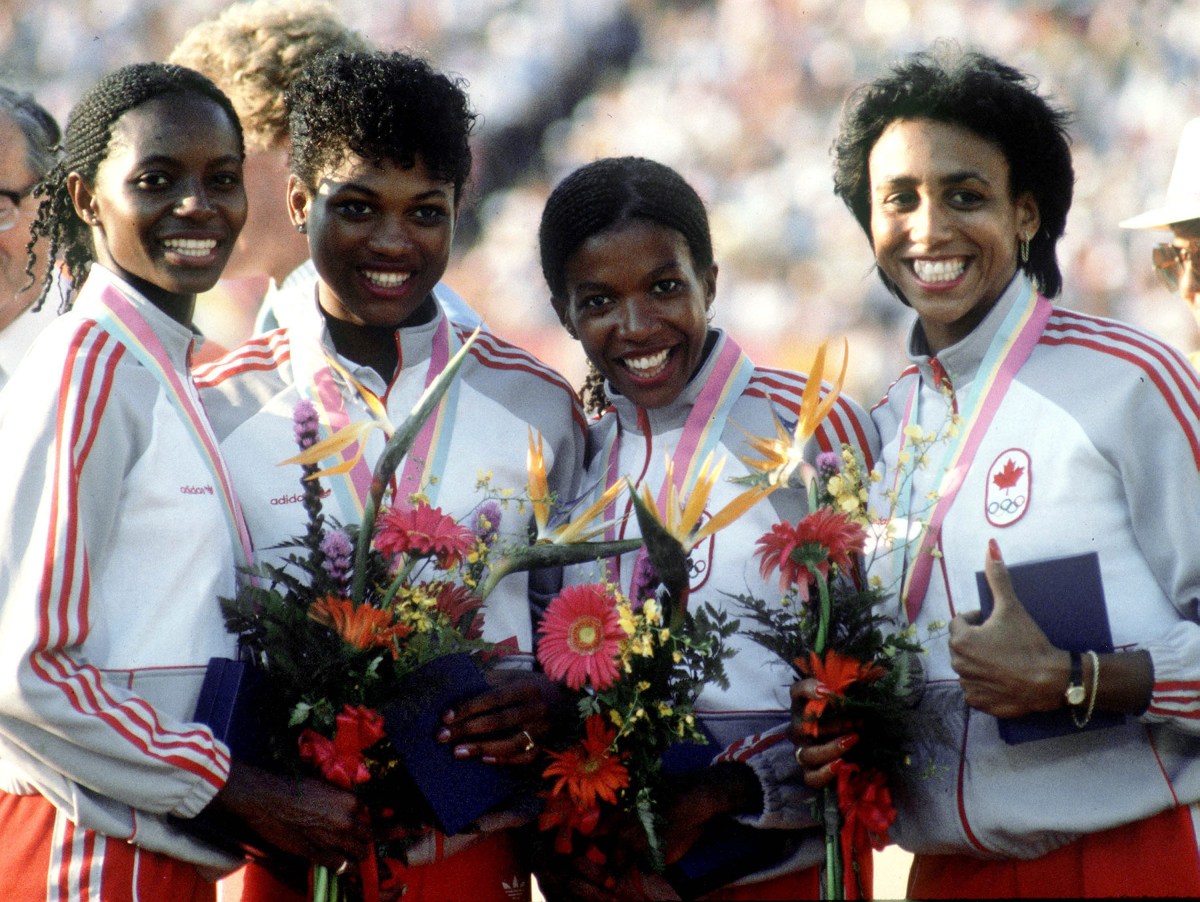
<point>254,50</point>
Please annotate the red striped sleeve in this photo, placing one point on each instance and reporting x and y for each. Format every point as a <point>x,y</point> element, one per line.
<point>261,353</point>
<point>1165,367</point>
<point>84,392</point>
<point>496,353</point>
<point>749,746</point>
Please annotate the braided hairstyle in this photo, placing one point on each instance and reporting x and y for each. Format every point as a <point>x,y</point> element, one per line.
<point>607,193</point>
<point>994,101</point>
<point>88,136</point>
<point>382,107</point>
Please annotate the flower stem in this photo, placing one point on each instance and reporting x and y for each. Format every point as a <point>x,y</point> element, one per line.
<point>825,614</point>
<point>834,888</point>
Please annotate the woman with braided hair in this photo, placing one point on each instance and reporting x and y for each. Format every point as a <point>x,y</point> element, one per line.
<point>108,455</point>
<point>627,254</point>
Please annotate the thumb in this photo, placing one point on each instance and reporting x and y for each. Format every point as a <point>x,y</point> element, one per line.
<point>1004,597</point>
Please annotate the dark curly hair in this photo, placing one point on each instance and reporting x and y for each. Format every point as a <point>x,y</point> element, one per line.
<point>88,135</point>
<point>608,192</point>
<point>996,102</point>
<point>382,107</point>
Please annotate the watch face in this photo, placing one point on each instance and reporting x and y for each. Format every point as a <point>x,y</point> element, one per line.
<point>1076,695</point>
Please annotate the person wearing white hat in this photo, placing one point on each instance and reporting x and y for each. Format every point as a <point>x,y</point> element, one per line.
<point>1176,261</point>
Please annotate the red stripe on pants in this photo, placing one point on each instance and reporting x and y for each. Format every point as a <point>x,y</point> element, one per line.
<point>1154,857</point>
<point>27,827</point>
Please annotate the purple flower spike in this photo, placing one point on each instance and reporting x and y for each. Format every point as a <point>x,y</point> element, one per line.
<point>305,424</point>
<point>487,522</point>
<point>338,552</point>
<point>829,463</point>
<point>645,580</point>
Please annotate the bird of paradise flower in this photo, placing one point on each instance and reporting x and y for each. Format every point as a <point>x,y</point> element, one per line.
<point>783,454</point>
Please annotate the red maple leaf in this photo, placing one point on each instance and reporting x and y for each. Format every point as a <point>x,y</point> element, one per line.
<point>1008,477</point>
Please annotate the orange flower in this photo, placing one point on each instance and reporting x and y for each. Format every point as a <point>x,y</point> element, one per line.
<point>836,673</point>
<point>590,770</point>
<point>363,627</point>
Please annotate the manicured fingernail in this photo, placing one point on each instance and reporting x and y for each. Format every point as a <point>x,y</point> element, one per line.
<point>461,751</point>
<point>443,735</point>
<point>847,742</point>
<point>994,550</point>
<point>449,716</point>
<point>822,691</point>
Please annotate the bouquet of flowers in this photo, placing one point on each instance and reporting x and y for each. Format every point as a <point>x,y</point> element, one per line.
<point>637,666</point>
<point>833,626</point>
<point>341,627</point>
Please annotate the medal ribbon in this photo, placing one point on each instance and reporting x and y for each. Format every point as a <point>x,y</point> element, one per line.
<point>702,431</point>
<point>123,321</point>
<point>1014,342</point>
<point>425,458</point>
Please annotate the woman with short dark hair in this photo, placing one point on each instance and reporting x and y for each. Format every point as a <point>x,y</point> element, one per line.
<point>1058,438</point>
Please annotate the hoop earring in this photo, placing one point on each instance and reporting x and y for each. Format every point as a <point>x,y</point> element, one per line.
<point>1025,248</point>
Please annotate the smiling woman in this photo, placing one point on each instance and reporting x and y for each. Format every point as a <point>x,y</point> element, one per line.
<point>1057,435</point>
<point>380,155</point>
<point>108,455</point>
<point>627,255</point>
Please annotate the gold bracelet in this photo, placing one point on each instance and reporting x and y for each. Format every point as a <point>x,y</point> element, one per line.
<point>1092,697</point>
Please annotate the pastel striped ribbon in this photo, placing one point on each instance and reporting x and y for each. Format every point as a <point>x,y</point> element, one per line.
<point>425,459</point>
<point>1014,342</point>
<point>123,321</point>
<point>702,430</point>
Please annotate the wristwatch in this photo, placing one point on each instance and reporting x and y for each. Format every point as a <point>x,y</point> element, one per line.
<point>1076,692</point>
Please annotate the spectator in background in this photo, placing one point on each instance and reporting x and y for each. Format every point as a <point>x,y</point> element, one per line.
<point>1175,261</point>
<point>253,51</point>
<point>29,139</point>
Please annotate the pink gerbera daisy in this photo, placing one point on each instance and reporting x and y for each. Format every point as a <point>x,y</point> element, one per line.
<point>581,635</point>
<point>424,531</point>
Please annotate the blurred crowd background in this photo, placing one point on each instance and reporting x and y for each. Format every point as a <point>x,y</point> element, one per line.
<point>741,96</point>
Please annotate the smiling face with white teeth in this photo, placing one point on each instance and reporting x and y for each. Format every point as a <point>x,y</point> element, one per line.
<point>168,202</point>
<point>944,225</point>
<point>380,237</point>
<point>638,304</point>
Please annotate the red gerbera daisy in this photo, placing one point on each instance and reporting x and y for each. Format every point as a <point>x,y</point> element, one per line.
<point>581,635</point>
<point>425,531</point>
<point>457,603</point>
<point>802,551</point>
<point>589,771</point>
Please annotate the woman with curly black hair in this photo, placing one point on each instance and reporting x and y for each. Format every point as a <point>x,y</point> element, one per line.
<point>380,154</point>
<point>1057,746</point>
<point>108,455</point>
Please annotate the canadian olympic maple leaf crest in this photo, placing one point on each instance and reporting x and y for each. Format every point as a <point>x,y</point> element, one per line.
<point>1008,487</point>
<point>1009,476</point>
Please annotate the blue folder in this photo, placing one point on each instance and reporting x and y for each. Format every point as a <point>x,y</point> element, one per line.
<point>1065,596</point>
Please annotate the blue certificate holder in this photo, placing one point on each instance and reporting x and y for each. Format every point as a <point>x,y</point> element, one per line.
<point>727,849</point>
<point>458,792</point>
<point>1065,597</point>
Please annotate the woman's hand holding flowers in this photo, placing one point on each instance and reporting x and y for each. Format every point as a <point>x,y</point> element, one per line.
<point>817,751</point>
<point>305,817</point>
